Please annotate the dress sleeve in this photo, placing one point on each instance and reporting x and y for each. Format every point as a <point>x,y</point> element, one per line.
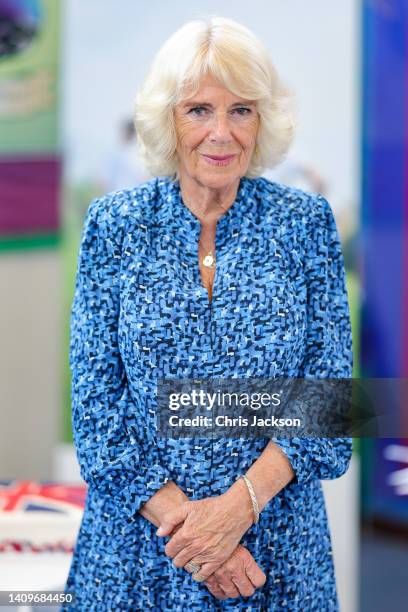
<point>114,459</point>
<point>328,352</point>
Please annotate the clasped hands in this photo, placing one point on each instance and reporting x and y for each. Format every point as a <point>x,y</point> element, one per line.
<point>208,532</point>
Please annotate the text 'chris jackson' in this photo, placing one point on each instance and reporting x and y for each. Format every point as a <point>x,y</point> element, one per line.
<point>225,421</point>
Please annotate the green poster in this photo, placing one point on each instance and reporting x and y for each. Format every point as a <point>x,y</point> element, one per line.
<point>29,63</point>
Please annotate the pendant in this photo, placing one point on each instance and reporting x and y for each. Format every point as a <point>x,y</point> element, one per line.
<point>209,260</point>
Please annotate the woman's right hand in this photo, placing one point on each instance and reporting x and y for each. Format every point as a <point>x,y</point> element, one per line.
<point>238,575</point>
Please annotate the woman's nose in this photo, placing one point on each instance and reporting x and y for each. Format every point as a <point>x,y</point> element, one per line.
<point>220,127</point>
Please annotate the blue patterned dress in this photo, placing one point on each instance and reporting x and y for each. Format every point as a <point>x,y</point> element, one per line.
<point>140,312</point>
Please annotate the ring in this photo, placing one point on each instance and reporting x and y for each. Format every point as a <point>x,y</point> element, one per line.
<point>192,567</point>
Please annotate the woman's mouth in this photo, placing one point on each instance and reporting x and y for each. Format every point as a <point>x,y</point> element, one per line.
<point>219,160</point>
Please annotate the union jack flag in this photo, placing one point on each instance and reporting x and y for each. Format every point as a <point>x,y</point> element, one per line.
<point>31,496</point>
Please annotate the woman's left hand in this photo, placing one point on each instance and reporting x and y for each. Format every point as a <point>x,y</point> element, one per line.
<point>211,530</point>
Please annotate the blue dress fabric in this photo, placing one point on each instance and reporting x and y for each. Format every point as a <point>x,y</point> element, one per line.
<point>139,313</point>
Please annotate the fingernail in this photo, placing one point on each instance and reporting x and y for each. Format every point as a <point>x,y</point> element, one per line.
<point>159,531</point>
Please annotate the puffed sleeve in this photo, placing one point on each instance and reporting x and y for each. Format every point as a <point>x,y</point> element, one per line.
<point>328,352</point>
<point>114,459</point>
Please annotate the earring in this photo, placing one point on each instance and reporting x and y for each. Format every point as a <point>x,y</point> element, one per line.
<point>256,150</point>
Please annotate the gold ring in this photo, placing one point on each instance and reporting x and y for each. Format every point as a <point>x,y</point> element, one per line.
<point>192,567</point>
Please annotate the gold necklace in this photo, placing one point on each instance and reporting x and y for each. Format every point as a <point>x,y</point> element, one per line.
<point>209,259</point>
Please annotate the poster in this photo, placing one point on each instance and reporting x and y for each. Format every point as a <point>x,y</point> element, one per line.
<point>30,159</point>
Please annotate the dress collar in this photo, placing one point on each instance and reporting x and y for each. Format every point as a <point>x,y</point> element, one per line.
<point>239,214</point>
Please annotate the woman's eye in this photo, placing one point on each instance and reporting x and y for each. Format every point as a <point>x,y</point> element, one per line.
<point>242,110</point>
<point>202,111</point>
<point>198,111</point>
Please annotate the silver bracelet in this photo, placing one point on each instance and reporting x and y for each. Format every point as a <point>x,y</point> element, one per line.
<point>252,496</point>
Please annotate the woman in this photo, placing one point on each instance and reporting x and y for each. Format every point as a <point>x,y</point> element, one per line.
<point>208,271</point>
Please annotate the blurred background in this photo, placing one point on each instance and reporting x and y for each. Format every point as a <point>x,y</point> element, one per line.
<point>69,72</point>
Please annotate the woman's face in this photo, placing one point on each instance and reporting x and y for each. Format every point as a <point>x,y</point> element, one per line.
<point>216,135</point>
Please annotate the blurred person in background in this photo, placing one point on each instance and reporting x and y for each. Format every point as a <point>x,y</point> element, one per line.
<point>206,270</point>
<point>123,168</point>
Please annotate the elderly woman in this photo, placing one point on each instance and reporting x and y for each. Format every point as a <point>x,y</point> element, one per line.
<point>207,270</point>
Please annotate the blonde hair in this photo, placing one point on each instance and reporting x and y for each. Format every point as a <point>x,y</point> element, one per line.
<point>233,55</point>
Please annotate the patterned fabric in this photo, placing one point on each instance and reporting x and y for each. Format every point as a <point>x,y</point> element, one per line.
<point>140,312</point>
